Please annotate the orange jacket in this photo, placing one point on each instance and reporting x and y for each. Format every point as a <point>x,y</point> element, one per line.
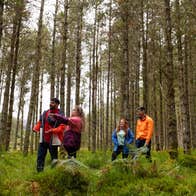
<point>144,129</point>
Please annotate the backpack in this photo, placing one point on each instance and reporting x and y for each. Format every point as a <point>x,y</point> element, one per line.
<point>71,141</point>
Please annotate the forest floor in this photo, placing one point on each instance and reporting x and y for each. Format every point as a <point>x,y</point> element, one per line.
<point>95,174</point>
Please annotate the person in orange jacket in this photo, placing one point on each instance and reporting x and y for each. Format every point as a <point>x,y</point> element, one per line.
<point>51,134</point>
<point>144,131</point>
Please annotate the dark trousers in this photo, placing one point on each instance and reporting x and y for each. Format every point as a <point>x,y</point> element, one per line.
<point>42,151</point>
<point>71,154</point>
<point>140,142</point>
<point>116,153</point>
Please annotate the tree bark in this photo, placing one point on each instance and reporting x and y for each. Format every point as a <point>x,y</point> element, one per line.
<point>171,121</point>
<point>160,70</point>
<point>35,80</point>
<point>19,12</point>
<point>64,56</point>
<point>52,69</point>
<point>18,117</point>
<point>125,72</point>
<point>192,88</point>
<point>94,85</point>
<point>1,19</point>
<point>22,127</point>
<point>108,76</point>
<point>78,51</point>
<point>187,130</point>
<point>68,97</point>
<point>4,116</point>
<point>90,101</point>
<point>183,83</point>
<point>144,56</point>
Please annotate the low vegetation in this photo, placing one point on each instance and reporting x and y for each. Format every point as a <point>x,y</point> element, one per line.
<point>95,174</point>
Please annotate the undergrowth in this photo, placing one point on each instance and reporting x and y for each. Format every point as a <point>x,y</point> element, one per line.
<point>99,176</point>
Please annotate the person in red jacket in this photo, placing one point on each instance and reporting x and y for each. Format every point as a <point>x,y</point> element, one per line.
<point>144,131</point>
<point>51,134</point>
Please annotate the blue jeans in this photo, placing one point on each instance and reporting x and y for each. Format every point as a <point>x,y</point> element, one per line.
<point>42,151</point>
<point>140,142</point>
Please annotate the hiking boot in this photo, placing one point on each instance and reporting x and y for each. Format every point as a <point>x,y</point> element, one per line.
<point>40,169</point>
<point>54,162</point>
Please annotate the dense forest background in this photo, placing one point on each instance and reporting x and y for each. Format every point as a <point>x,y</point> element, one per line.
<point>109,56</point>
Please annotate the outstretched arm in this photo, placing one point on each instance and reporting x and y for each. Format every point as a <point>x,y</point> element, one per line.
<point>59,117</point>
<point>58,129</point>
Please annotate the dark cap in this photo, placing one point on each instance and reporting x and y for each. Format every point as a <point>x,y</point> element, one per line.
<point>55,100</point>
<point>141,108</point>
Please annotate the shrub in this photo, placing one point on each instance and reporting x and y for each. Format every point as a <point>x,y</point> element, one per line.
<point>61,180</point>
<point>188,161</point>
<point>95,160</point>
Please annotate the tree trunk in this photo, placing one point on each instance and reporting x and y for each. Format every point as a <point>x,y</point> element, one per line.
<point>22,127</point>
<point>41,95</point>
<point>94,85</point>
<point>192,89</point>
<point>180,67</point>
<point>18,117</point>
<point>101,116</point>
<point>78,51</point>
<point>89,100</point>
<point>98,109</point>
<point>19,11</point>
<point>68,97</point>
<point>64,56</point>
<point>144,56</point>
<point>37,116</point>
<point>125,73</point>
<point>171,121</point>
<point>137,81</point>
<point>32,134</point>
<point>35,81</point>
<point>187,130</point>
<point>2,75</point>
<point>4,116</point>
<point>52,69</point>
<point>1,19</point>
<point>57,87</point>
<point>161,131</point>
<point>183,84</point>
<point>112,98</point>
<point>108,76</point>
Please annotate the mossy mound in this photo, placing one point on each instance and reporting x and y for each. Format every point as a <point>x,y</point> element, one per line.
<point>67,177</point>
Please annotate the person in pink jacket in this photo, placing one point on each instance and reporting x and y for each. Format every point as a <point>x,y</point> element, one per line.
<point>74,127</point>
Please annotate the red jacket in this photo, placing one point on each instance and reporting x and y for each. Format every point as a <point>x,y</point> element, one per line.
<point>46,126</point>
